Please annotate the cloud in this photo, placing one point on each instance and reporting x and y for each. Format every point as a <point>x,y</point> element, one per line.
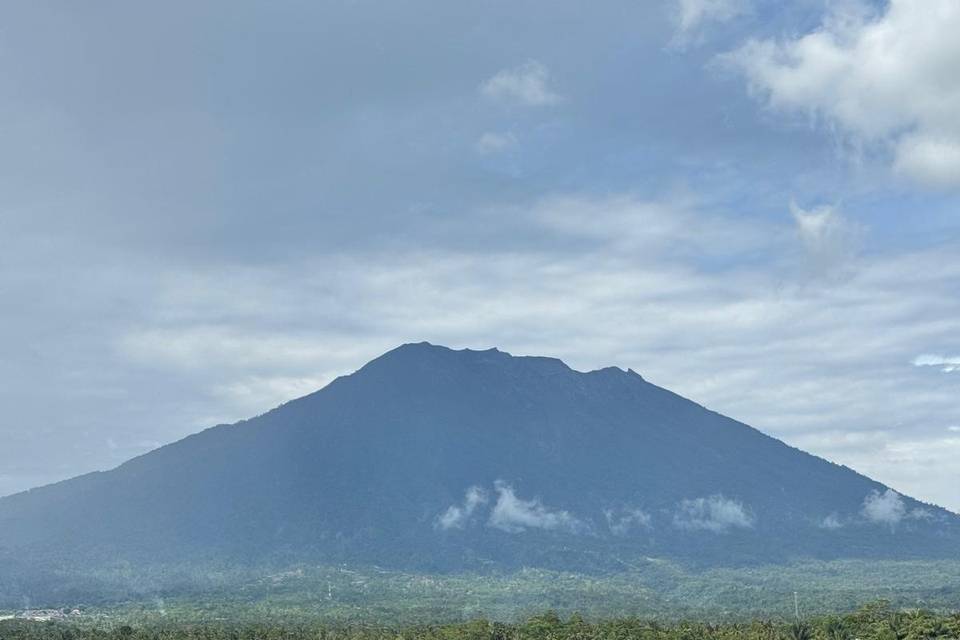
<point>515,515</point>
<point>623,521</point>
<point>829,240</point>
<point>887,80</point>
<point>831,522</point>
<point>254,393</point>
<point>884,508</point>
<point>457,516</point>
<point>691,15</point>
<point>913,456</point>
<point>946,364</point>
<point>527,85</point>
<point>491,143</point>
<point>921,514</point>
<point>637,226</point>
<point>716,514</point>
<point>929,158</point>
<point>199,345</point>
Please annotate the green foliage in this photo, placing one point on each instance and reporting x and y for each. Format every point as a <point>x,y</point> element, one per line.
<point>877,621</point>
<point>655,590</point>
<point>800,631</point>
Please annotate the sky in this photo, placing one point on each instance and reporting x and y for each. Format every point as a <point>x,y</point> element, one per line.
<point>207,209</point>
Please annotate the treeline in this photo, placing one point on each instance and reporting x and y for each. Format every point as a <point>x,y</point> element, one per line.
<point>878,621</point>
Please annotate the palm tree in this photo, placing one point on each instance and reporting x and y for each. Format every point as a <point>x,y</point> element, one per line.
<point>836,629</point>
<point>800,631</point>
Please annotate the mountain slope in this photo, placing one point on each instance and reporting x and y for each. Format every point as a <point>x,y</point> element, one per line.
<point>433,459</point>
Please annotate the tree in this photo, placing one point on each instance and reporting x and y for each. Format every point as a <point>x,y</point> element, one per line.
<point>800,631</point>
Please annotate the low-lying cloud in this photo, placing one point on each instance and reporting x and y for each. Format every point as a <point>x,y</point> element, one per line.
<point>515,515</point>
<point>715,513</point>
<point>889,508</point>
<point>623,521</point>
<point>458,515</point>
<point>885,507</point>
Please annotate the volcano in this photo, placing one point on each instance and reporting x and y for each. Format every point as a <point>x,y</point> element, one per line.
<point>433,459</point>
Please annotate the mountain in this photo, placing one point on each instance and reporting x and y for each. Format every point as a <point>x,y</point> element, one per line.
<point>431,459</point>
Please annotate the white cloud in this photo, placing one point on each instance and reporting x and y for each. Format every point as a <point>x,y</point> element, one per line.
<point>715,513</point>
<point>515,515</point>
<point>946,364</point>
<point>829,240</point>
<point>693,14</point>
<point>623,521</point>
<point>884,508</point>
<point>886,80</point>
<point>831,522</point>
<point>929,158</point>
<point>889,508</point>
<point>954,428</point>
<point>457,516</point>
<point>492,142</point>
<point>526,85</point>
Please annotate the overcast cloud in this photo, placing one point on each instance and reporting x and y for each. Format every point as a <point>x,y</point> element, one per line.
<point>206,210</point>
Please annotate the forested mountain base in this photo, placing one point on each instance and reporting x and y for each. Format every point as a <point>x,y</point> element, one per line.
<point>877,621</point>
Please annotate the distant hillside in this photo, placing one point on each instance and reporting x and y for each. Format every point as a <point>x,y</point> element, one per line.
<point>430,459</point>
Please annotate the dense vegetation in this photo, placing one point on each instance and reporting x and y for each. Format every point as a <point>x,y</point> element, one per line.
<point>877,621</point>
<point>656,590</point>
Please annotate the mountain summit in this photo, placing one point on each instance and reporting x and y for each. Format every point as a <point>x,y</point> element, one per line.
<point>433,459</point>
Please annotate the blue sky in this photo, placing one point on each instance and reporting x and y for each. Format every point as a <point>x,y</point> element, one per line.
<point>209,208</point>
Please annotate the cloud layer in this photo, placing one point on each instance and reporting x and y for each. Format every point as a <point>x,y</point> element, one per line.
<point>622,280</point>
